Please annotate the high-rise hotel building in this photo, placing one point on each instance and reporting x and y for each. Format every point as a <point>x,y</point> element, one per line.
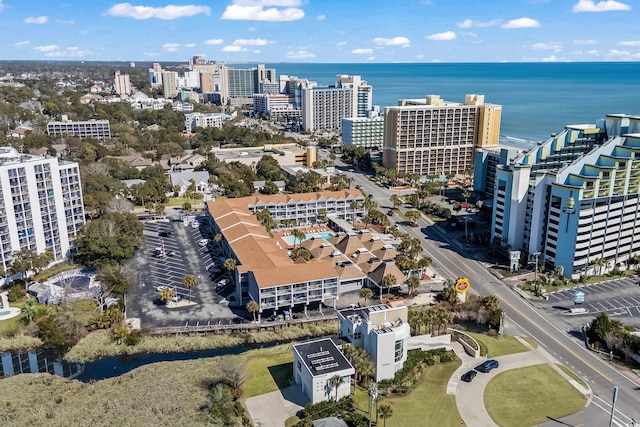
<point>574,200</point>
<point>40,205</point>
<point>434,137</point>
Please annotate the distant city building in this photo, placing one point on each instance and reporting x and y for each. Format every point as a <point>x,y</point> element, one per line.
<point>315,363</point>
<point>169,84</point>
<point>382,331</point>
<point>433,137</point>
<point>155,75</point>
<point>284,154</point>
<point>363,132</point>
<point>243,83</point>
<point>324,107</point>
<point>98,129</point>
<point>573,200</point>
<point>40,205</point>
<point>204,120</point>
<point>122,84</point>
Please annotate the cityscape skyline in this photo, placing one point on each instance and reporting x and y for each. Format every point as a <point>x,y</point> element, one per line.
<point>328,31</point>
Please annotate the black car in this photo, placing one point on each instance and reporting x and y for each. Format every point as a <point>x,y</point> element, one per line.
<point>487,366</point>
<point>469,376</point>
<point>164,234</point>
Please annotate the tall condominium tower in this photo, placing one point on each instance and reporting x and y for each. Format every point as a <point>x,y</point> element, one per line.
<point>169,84</point>
<point>573,201</point>
<point>122,83</point>
<point>40,205</point>
<point>435,137</point>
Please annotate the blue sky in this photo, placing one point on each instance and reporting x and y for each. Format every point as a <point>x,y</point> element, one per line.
<point>343,31</point>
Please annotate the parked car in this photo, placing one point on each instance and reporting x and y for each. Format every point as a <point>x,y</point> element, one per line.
<point>390,212</point>
<point>487,366</point>
<point>172,253</point>
<point>222,283</point>
<point>195,224</point>
<point>164,234</point>
<point>176,298</point>
<point>203,242</point>
<point>358,186</point>
<point>469,376</point>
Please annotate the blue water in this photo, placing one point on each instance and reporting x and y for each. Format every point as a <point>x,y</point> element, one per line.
<point>537,98</point>
<point>292,240</point>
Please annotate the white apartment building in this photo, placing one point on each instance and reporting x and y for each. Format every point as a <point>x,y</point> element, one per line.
<point>363,132</point>
<point>382,331</point>
<point>98,129</point>
<point>122,84</point>
<point>204,120</point>
<point>324,107</point>
<point>275,105</point>
<point>434,137</point>
<point>315,363</point>
<point>40,205</point>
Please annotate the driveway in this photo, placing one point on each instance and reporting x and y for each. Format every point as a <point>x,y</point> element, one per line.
<point>273,409</point>
<point>469,396</point>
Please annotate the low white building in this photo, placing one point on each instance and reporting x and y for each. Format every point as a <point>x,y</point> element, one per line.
<point>382,331</point>
<point>315,363</point>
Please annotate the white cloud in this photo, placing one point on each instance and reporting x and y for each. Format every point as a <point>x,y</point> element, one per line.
<point>251,42</point>
<point>252,29</point>
<point>585,42</point>
<point>234,49</point>
<point>553,58</point>
<point>470,23</point>
<point>151,54</point>
<point>447,35</point>
<point>1,5</point>
<point>521,23</point>
<point>299,54</point>
<point>73,52</point>
<point>47,48</point>
<point>256,51</point>
<point>555,46</point>
<point>321,17</point>
<point>593,52</point>
<point>371,58</point>
<point>622,55</point>
<point>420,56</point>
<point>258,10</point>
<point>127,10</point>
<point>190,45</point>
<point>36,20</point>
<point>24,43</point>
<point>341,43</point>
<point>631,43</point>
<point>171,47</point>
<point>601,6</point>
<point>64,22</point>
<point>362,51</point>
<point>214,41</point>
<point>396,41</point>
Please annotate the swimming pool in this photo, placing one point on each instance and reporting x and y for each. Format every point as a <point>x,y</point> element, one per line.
<point>292,240</point>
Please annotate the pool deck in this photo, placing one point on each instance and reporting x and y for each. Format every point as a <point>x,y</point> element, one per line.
<point>318,229</point>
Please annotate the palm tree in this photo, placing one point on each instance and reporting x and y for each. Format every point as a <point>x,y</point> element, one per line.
<point>252,307</point>
<point>299,236</point>
<point>385,411</point>
<point>166,294</point>
<point>230,264</point>
<point>29,310</point>
<point>365,294</point>
<point>413,282</point>
<point>355,205</point>
<point>388,281</point>
<point>424,263</point>
<point>189,281</point>
<point>412,216</point>
<point>217,238</point>
<point>335,382</point>
<point>396,201</point>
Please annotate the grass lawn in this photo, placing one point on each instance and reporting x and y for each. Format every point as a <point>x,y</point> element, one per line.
<point>531,342</point>
<point>268,370</point>
<point>14,325</point>
<point>499,346</point>
<point>527,396</point>
<point>426,405</point>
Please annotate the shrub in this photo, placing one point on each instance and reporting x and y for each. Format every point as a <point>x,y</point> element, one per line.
<point>492,333</point>
<point>15,293</point>
<point>133,338</point>
<point>483,349</point>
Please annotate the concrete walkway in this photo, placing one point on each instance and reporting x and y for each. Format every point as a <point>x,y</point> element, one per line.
<point>469,396</point>
<point>273,409</point>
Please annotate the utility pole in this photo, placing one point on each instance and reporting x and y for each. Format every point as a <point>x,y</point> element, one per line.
<point>536,255</point>
<point>613,405</point>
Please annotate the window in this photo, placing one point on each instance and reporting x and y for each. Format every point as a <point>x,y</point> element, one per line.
<point>399,350</point>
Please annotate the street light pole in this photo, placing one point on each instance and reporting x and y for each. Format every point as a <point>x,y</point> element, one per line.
<point>613,405</point>
<point>536,255</point>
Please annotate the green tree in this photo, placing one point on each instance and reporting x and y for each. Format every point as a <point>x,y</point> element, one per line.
<point>413,282</point>
<point>457,206</point>
<point>269,188</point>
<point>29,310</point>
<point>366,294</point>
<point>385,411</point>
<point>186,206</point>
<point>253,307</point>
<point>354,206</point>
<point>334,383</point>
<point>396,201</point>
<point>166,294</point>
<point>230,264</point>
<point>115,278</point>
<point>120,333</point>
<point>449,293</point>
<point>388,281</point>
<point>265,218</point>
<point>298,236</point>
<point>424,263</point>
<point>189,281</point>
<point>109,239</point>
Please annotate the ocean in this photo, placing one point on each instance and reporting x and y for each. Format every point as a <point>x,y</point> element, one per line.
<point>537,98</point>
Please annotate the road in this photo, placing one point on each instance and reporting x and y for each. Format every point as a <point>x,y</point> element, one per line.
<point>450,260</point>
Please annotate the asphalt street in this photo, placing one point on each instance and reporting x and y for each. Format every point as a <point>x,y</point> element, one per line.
<point>450,260</point>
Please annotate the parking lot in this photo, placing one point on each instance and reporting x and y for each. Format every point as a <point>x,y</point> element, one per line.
<point>618,299</point>
<point>169,253</point>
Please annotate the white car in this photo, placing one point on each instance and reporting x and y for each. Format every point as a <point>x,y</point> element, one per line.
<point>195,224</point>
<point>203,242</point>
<point>222,283</point>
